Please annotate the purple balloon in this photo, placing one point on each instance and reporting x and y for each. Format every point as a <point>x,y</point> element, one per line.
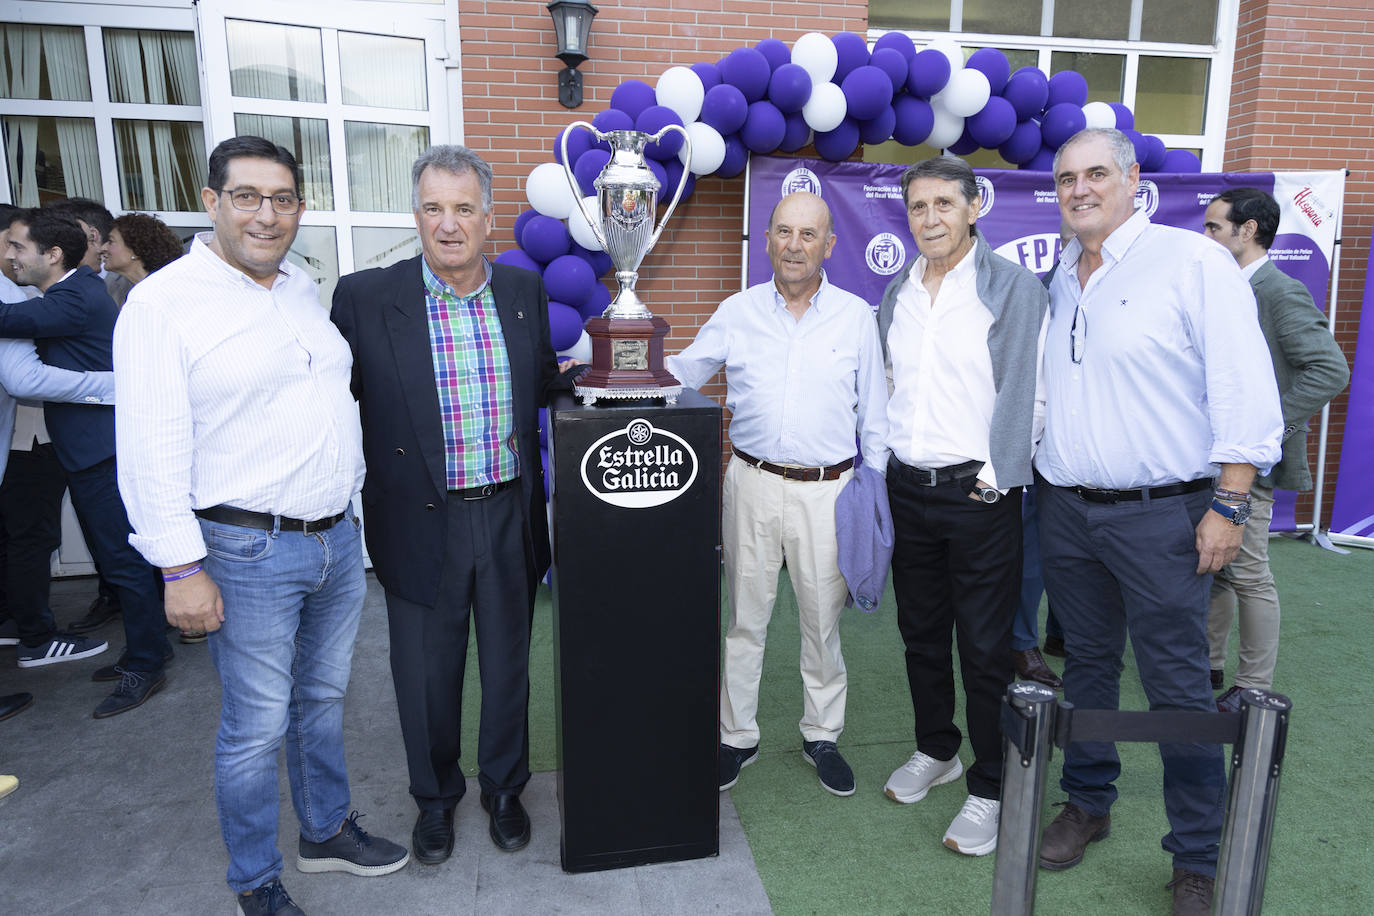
<point>993,64</point>
<point>1028,89</point>
<point>774,51</point>
<point>736,157</point>
<point>1022,145</point>
<point>1061,122</point>
<point>964,145</point>
<point>866,91</point>
<point>514,257</point>
<point>764,129</point>
<point>724,108</point>
<point>1067,86</point>
<point>747,70</point>
<point>569,279</point>
<point>588,167</point>
<point>897,41</point>
<point>790,87</point>
<point>994,125</point>
<point>1181,160</point>
<point>673,169</point>
<point>608,120</point>
<point>1142,148</point>
<point>579,141</point>
<point>851,53</point>
<point>798,132</point>
<point>596,303</point>
<point>839,143</point>
<point>707,73</point>
<point>653,119</point>
<point>1154,155</point>
<point>891,62</point>
<point>633,96</point>
<point>879,129</point>
<point>1042,161</point>
<point>524,217</point>
<point>1125,118</point>
<point>928,73</point>
<point>915,118</point>
<point>599,261</point>
<point>565,325</point>
<point>545,238</point>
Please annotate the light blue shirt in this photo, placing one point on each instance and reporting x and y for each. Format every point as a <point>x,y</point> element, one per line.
<point>1174,378</point>
<point>798,390</point>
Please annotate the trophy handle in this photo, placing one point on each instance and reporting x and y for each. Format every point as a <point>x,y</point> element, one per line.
<point>595,224</point>
<point>681,182</point>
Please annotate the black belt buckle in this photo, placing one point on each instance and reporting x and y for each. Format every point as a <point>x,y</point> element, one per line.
<point>1099,496</point>
<point>472,494</point>
<point>322,524</point>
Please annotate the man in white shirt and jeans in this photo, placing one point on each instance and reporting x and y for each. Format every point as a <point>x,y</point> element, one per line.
<point>240,451</point>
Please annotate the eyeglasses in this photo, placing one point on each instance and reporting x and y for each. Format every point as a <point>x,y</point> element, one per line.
<point>251,201</point>
<point>1078,334</point>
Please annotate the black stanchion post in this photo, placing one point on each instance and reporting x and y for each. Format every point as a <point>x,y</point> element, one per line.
<point>1028,719</point>
<point>1256,762</point>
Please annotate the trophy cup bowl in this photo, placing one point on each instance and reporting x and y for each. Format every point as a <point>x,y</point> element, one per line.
<point>627,340</point>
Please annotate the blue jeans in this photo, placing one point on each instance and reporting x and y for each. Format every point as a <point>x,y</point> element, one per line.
<point>292,602</point>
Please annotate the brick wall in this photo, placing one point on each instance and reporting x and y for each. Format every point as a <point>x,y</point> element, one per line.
<point>1303,98</point>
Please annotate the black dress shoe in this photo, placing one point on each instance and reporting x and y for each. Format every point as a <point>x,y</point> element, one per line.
<point>116,671</point>
<point>433,835</point>
<point>135,687</point>
<point>1030,665</point>
<point>101,612</point>
<point>14,704</point>
<point>510,825</point>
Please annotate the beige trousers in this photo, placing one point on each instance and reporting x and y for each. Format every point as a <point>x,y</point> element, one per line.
<point>1246,585</point>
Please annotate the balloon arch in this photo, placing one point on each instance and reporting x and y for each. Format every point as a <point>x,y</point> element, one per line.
<point>830,91</point>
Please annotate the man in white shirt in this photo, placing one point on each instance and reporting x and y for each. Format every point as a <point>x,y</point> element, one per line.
<point>804,375</point>
<point>960,328</point>
<point>239,453</point>
<point>1157,382</point>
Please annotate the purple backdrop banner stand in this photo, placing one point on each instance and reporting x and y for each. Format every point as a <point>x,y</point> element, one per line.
<point>1352,512</point>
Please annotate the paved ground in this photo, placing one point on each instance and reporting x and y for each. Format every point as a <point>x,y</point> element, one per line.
<point>117,816</point>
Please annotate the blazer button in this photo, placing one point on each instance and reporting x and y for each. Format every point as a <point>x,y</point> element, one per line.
<point>429,507</point>
<point>400,451</point>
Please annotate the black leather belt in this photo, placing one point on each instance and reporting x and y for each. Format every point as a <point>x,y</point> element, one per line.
<point>1160,492</point>
<point>810,475</point>
<point>242,518</point>
<point>933,477</point>
<point>488,489</point>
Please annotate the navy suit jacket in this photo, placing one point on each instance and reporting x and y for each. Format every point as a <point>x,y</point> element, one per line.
<point>382,315</point>
<point>72,324</point>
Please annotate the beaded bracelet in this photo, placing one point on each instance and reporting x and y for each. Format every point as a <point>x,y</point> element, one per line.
<point>186,573</point>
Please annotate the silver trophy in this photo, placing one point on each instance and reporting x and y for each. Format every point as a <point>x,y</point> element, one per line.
<point>627,340</point>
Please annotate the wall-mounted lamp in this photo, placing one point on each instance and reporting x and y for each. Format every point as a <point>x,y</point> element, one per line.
<point>572,20</point>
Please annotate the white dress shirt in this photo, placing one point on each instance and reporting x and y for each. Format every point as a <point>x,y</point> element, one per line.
<point>229,393</point>
<point>1174,377</point>
<point>1249,270</point>
<point>798,390</point>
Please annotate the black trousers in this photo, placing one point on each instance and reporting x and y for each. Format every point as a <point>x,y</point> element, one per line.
<point>30,530</point>
<point>484,578</point>
<point>956,569</point>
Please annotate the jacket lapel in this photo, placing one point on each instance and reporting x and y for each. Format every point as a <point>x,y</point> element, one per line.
<point>408,324</point>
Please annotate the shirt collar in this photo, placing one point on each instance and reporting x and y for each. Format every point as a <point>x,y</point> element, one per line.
<point>816,298</point>
<point>1249,270</point>
<point>200,248</point>
<point>441,290</point>
<point>1116,245</point>
<point>961,274</point>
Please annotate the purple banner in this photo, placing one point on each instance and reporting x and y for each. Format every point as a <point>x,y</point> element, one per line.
<point>1352,512</point>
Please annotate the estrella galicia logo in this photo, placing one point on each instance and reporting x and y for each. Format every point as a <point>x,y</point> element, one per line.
<point>801,180</point>
<point>1147,197</point>
<point>639,466</point>
<point>885,254</point>
<point>985,196</point>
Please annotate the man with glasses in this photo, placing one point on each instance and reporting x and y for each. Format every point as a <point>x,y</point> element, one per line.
<point>240,451</point>
<point>1160,405</point>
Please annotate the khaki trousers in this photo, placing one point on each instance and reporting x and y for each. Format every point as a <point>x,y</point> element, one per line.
<point>1246,585</point>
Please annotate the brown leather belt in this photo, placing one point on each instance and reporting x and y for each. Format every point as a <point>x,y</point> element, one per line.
<point>810,475</point>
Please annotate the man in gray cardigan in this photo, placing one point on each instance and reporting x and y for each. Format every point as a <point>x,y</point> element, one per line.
<point>960,328</point>
<point>1310,370</point>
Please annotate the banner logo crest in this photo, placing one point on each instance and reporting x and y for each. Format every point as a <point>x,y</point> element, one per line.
<point>885,254</point>
<point>801,180</point>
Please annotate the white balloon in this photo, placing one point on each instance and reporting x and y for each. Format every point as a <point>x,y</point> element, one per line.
<point>708,148</point>
<point>948,128</point>
<point>966,93</point>
<point>826,107</point>
<point>950,49</point>
<point>580,228</point>
<point>815,53</point>
<point>681,90</point>
<point>549,192</point>
<point>581,350</point>
<point>1099,114</point>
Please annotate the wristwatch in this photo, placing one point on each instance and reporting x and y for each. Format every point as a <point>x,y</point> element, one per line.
<point>988,495</point>
<point>1236,515</point>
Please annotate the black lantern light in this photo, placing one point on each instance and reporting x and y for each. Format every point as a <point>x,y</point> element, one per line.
<point>572,21</point>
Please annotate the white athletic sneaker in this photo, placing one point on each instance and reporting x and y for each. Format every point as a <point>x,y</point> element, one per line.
<point>974,831</point>
<point>910,782</point>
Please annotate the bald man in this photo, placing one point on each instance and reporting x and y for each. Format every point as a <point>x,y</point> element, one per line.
<point>804,374</point>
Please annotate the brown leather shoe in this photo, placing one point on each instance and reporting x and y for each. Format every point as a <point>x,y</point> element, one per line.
<point>1192,893</point>
<point>1069,834</point>
<point>1054,645</point>
<point>1030,666</point>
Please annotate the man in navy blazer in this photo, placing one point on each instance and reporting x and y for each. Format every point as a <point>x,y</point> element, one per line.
<point>451,361</point>
<point>72,324</point>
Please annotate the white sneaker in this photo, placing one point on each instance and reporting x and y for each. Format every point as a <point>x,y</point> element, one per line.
<point>974,831</point>
<point>910,782</point>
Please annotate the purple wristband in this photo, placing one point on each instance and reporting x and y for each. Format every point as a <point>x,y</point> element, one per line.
<point>186,573</point>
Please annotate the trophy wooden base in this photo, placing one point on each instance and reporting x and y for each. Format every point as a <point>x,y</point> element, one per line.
<point>627,361</point>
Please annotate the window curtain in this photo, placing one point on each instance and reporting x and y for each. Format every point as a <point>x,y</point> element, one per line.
<point>382,71</point>
<point>268,61</point>
<point>379,161</point>
<point>152,67</point>
<point>30,51</point>
<point>161,164</point>
<point>308,140</point>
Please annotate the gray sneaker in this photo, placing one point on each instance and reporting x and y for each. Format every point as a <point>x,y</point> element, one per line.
<point>910,782</point>
<point>61,648</point>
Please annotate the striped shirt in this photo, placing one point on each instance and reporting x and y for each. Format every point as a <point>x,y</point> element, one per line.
<point>228,393</point>
<point>472,374</point>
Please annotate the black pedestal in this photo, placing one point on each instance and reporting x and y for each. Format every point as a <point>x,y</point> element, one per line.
<point>636,614</point>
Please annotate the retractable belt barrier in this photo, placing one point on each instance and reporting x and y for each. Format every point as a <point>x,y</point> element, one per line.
<point>1034,721</point>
